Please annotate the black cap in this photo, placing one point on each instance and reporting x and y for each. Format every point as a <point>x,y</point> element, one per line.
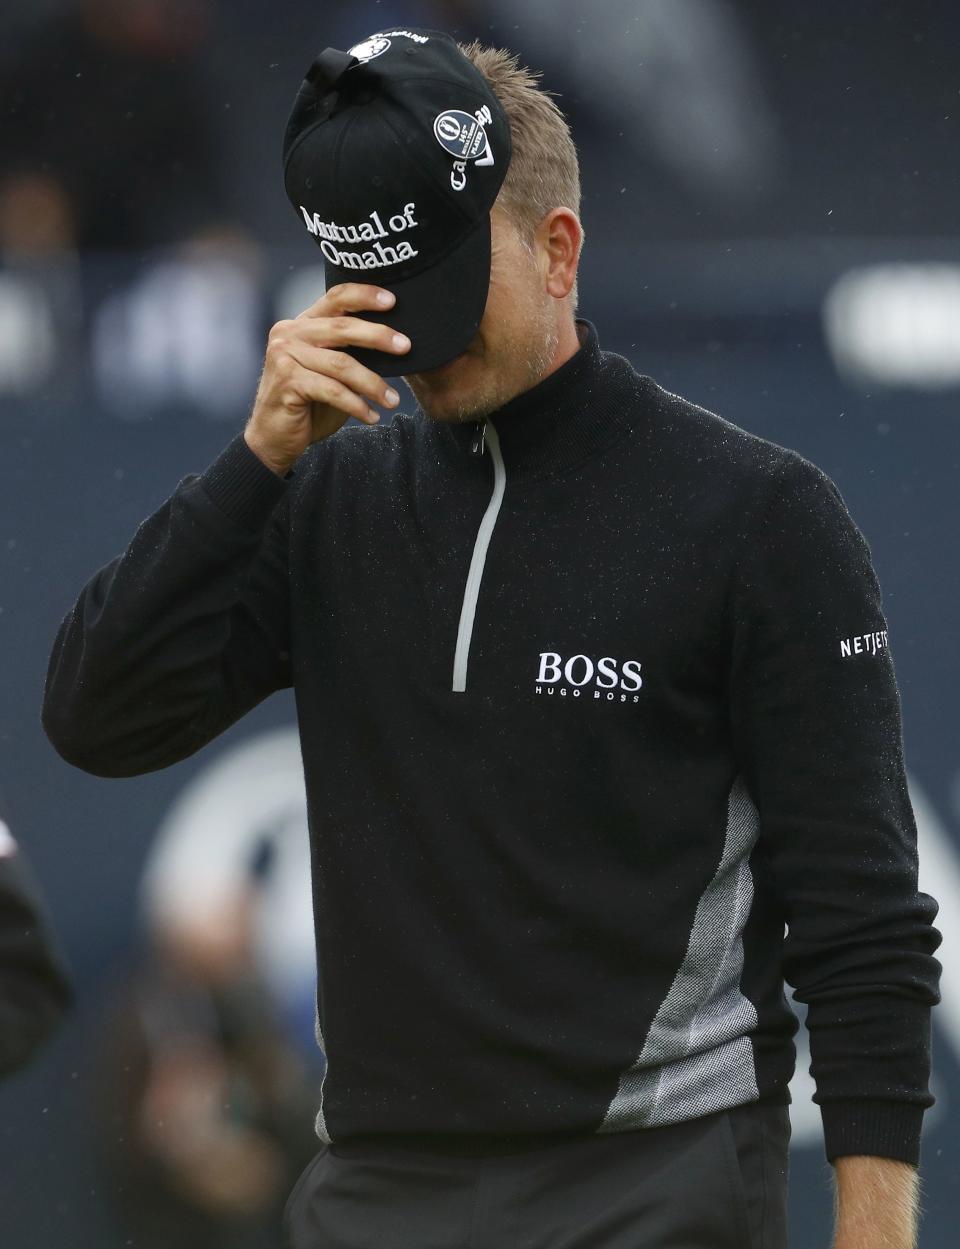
<point>393,156</point>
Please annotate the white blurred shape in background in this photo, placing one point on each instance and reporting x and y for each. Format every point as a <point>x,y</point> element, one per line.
<point>896,324</point>
<point>27,339</point>
<point>298,291</point>
<point>200,860</point>
<point>189,331</point>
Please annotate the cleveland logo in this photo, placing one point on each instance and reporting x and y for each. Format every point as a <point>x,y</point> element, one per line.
<point>607,678</point>
<point>379,256</point>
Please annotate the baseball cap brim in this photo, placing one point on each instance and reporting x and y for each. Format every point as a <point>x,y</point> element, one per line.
<point>439,310</point>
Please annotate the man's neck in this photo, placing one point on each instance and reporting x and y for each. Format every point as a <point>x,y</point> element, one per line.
<point>569,342</point>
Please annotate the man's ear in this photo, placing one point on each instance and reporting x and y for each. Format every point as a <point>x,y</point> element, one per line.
<point>561,237</point>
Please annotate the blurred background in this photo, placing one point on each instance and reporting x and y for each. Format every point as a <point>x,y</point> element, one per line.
<point>771,208</point>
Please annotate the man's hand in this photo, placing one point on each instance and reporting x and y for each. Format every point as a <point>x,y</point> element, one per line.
<point>310,386</point>
<point>876,1203</point>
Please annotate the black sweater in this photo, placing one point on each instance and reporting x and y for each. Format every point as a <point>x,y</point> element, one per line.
<point>592,703</point>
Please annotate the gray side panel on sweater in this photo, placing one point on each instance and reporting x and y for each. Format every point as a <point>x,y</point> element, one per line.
<point>697,1057</point>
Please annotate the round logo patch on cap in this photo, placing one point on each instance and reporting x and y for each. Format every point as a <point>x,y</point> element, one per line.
<point>462,134</point>
<point>376,45</point>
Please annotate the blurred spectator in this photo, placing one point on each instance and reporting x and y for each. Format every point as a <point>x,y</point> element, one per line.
<point>211,1071</point>
<point>209,1108</point>
<point>105,129</point>
<point>36,217</point>
<point>189,330</point>
<point>34,991</point>
<point>41,308</point>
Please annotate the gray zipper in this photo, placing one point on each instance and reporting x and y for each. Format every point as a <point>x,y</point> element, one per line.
<point>475,575</point>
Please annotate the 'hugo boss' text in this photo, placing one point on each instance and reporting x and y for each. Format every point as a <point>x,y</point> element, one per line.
<point>611,680</point>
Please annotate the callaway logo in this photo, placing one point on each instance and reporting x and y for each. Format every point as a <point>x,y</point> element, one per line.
<point>376,45</point>
<point>611,680</point>
<point>380,255</point>
<point>464,137</point>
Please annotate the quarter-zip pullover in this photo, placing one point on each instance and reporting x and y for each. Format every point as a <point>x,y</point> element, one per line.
<point>601,739</point>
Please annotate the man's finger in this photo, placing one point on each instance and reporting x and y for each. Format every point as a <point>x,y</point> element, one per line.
<point>345,369</point>
<point>348,331</point>
<point>319,388</point>
<point>350,297</point>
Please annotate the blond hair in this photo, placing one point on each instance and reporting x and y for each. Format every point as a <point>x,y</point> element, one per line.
<point>544,171</point>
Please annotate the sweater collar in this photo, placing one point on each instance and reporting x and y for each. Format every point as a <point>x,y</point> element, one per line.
<point>561,420</point>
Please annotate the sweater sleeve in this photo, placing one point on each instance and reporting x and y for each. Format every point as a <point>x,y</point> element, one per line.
<point>184,632</point>
<point>815,716</point>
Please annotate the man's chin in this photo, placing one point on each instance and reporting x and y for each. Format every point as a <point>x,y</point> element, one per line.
<point>439,374</point>
<point>442,392</point>
<point>438,405</point>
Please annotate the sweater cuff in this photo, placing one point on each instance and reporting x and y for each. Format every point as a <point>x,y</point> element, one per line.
<point>242,486</point>
<point>882,1129</point>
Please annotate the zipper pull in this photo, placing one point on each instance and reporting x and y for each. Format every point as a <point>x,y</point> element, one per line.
<point>479,438</point>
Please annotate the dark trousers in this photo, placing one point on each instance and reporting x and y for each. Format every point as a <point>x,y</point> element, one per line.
<point>717,1182</point>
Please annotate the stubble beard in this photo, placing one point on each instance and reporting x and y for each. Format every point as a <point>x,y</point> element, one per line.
<point>500,383</point>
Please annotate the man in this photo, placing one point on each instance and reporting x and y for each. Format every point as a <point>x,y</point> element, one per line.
<point>35,990</point>
<point>594,697</point>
